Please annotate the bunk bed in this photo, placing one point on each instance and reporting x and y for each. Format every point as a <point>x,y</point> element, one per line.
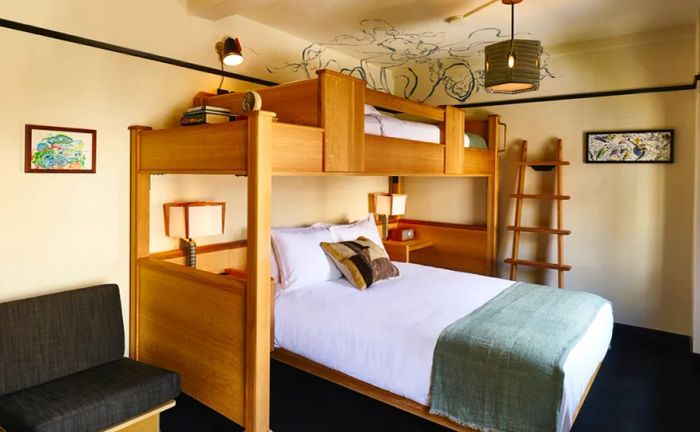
<point>217,330</point>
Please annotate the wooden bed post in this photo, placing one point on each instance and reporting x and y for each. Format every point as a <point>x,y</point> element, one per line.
<point>453,138</point>
<point>258,294</point>
<point>139,233</point>
<point>343,122</point>
<point>492,197</point>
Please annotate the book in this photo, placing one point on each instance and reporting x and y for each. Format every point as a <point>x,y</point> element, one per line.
<point>208,108</point>
<point>205,118</point>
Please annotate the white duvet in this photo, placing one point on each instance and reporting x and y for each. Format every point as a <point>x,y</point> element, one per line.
<point>386,335</point>
<point>396,128</point>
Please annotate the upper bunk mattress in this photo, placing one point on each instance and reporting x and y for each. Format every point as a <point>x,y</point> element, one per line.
<point>387,126</point>
<point>386,335</point>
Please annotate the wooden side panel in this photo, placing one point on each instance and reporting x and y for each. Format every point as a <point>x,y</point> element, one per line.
<point>193,322</point>
<point>396,103</point>
<point>295,102</point>
<point>456,247</point>
<point>478,127</point>
<point>478,162</point>
<point>492,194</point>
<point>384,155</point>
<point>453,137</point>
<point>214,148</point>
<point>296,149</point>
<point>343,120</point>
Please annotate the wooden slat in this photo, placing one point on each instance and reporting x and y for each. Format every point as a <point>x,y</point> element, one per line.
<point>146,422</point>
<point>295,102</point>
<point>545,163</point>
<point>453,138</point>
<point>478,162</point>
<point>400,156</point>
<point>518,211</point>
<point>541,196</point>
<point>193,322</point>
<point>212,148</point>
<point>492,195</point>
<point>538,264</point>
<point>342,100</point>
<point>395,103</point>
<point>139,232</point>
<point>259,295</point>
<point>296,149</point>
<point>560,216</point>
<point>539,230</point>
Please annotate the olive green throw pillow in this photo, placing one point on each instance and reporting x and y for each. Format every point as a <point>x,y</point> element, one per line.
<point>361,261</point>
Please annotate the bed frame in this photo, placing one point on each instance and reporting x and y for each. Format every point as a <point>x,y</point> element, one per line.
<point>215,330</point>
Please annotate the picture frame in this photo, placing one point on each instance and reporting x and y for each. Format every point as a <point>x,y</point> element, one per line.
<point>629,146</point>
<point>55,149</point>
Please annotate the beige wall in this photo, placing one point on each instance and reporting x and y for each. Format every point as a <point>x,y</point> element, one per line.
<point>696,272</point>
<point>631,224</point>
<point>63,231</point>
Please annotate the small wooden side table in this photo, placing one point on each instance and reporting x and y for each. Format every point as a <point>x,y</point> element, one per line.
<point>401,250</point>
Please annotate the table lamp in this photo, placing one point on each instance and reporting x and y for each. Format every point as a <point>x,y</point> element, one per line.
<point>386,205</point>
<point>189,220</point>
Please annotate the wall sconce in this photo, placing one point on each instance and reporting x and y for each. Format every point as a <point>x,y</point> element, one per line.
<point>188,220</point>
<point>385,205</point>
<point>230,52</point>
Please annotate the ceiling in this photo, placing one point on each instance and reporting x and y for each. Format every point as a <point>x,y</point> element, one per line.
<point>554,22</point>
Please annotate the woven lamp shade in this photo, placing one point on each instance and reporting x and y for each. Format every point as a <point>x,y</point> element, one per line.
<point>523,76</point>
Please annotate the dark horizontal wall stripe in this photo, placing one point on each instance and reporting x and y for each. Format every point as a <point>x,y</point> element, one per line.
<point>672,88</point>
<point>127,51</point>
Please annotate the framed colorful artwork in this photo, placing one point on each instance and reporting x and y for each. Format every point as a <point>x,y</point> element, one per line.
<point>51,149</point>
<point>645,146</point>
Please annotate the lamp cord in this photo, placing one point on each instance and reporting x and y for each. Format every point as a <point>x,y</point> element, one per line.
<point>221,83</point>
<point>512,24</point>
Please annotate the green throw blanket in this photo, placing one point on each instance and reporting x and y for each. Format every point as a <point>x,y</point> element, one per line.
<point>500,368</point>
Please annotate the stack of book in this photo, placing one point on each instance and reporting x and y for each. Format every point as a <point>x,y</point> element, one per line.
<point>206,114</point>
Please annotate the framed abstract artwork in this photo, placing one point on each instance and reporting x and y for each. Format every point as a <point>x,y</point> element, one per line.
<point>51,149</point>
<point>645,146</point>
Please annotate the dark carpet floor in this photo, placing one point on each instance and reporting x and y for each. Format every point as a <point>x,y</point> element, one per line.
<point>648,382</point>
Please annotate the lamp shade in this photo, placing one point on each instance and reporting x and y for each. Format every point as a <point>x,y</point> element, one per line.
<point>390,204</point>
<point>231,52</point>
<point>512,66</point>
<point>194,219</point>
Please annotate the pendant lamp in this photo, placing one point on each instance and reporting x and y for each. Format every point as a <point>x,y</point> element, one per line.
<point>512,66</point>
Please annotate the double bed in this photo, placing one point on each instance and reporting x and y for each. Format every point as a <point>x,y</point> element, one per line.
<point>386,335</point>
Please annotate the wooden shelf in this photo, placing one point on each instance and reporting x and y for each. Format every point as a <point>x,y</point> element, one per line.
<point>544,163</point>
<point>538,264</point>
<point>541,196</point>
<point>539,230</point>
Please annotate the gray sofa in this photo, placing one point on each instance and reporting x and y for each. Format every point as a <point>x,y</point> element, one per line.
<point>62,365</point>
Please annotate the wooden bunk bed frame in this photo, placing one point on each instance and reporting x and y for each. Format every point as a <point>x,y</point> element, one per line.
<point>215,330</point>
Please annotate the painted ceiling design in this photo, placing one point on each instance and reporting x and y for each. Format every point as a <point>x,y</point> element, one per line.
<point>415,65</point>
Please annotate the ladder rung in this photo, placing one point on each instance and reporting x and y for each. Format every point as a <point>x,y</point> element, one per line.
<point>539,230</point>
<point>540,163</point>
<point>541,196</point>
<point>538,264</point>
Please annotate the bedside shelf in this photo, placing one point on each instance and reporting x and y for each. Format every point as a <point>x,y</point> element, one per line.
<point>401,250</point>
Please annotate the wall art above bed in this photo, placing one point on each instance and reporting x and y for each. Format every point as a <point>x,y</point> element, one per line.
<point>52,149</point>
<point>643,146</point>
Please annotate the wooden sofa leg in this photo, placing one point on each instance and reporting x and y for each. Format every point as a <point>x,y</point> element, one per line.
<point>146,422</point>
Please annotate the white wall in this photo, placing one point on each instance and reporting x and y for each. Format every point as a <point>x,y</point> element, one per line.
<point>630,224</point>
<point>64,231</point>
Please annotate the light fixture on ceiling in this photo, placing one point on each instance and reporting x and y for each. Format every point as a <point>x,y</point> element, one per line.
<point>512,66</point>
<point>230,51</point>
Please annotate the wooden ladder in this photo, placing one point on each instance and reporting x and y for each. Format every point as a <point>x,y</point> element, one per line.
<point>517,228</point>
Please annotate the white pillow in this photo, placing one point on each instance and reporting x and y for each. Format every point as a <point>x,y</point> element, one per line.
<point>300,257</point>
<point>362,228</point>
<point>371,110</point>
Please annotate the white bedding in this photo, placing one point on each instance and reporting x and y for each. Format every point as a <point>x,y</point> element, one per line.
<point>396,128</point>
<point>386,334</point>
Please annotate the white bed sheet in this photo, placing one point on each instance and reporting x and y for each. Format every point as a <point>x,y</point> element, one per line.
<point>396,128</point>
<point>386,335</point>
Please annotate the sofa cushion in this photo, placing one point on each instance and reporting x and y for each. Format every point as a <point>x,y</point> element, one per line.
<point>48,337</point>
<point>90,400</point>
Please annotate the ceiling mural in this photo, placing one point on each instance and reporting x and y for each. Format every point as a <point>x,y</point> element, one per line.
<point>415,65</point>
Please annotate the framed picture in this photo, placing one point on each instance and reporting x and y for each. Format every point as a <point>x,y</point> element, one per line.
<point>51,149</point>
<point>645,146</point>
